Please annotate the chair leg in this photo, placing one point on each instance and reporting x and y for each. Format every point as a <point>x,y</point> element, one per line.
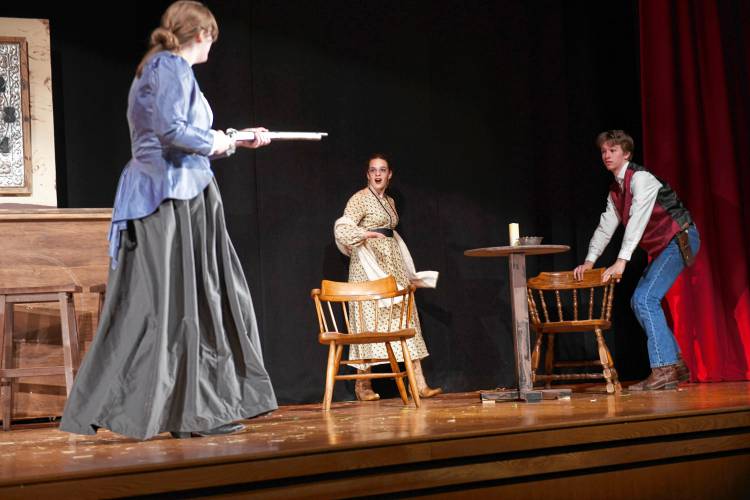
<point>410,374</point>
<point>608,369</point>
<point>337,361</point>
<point>6,400</point>
<point>69,326</point>
<point>549,359</point>
<point>6,360</point>
<point>394,368</point>
<point>330,376</point>
<point>7,340</point>
<point>100,307</point>
<point>535,354</point>
<point>616,380</point>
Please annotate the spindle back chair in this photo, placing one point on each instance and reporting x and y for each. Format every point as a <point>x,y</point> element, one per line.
<point>550,296</point>
<point>363,313</point>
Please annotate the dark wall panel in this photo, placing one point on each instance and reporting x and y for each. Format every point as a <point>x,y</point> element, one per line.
<point>488,111</point>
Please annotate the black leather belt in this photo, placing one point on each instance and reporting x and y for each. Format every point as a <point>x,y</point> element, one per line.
<point>383,230</point>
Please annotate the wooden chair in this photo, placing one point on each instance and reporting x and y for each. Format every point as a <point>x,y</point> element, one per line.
<point>347,324</point>
<point>100,290</point>
<point>63,295</point>
<point>549,294</point>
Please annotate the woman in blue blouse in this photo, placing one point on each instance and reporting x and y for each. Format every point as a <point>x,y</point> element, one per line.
<point>177,348</point>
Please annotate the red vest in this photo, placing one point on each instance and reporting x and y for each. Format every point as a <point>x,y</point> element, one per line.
<point>667,217</point>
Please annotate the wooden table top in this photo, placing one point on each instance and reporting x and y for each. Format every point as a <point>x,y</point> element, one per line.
<point>518,249</point>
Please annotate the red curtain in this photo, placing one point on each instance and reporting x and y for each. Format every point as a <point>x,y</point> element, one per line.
<point>695,56</point>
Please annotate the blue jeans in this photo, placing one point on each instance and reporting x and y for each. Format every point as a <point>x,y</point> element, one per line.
<point>657,279</point>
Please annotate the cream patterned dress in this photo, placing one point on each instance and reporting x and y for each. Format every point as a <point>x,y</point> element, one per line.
<point>369,211</point>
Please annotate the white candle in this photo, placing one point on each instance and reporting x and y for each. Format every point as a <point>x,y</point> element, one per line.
<point>513,233</point>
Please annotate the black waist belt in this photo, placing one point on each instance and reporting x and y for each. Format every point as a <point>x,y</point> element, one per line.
<point>383,230</point>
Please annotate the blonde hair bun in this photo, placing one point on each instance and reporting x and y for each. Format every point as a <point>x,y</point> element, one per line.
<point>164,38</point>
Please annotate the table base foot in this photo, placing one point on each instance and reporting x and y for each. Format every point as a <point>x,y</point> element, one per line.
<point>530,396</point>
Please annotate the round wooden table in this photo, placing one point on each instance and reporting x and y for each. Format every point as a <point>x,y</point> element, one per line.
<point>520,309</point>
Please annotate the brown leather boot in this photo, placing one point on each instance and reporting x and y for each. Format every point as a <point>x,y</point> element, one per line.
<point>662,377</point>
<point>683,372</point>
<point>428,392</point>
<point>363,389</point>
<point>425,391</point>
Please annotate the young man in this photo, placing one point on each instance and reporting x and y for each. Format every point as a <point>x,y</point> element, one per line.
<point>656,220</point>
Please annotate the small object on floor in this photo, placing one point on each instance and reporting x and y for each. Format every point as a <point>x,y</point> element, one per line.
<point>216,431</point>
<point>529,396</point>
<point>499,395</point>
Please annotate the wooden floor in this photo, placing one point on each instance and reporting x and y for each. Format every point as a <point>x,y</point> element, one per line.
<point>666,444</point>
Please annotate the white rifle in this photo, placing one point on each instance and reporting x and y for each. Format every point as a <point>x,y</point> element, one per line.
<point>246,135</point>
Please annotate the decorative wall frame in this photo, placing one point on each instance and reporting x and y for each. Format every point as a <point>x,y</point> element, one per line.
<point>15,117</point>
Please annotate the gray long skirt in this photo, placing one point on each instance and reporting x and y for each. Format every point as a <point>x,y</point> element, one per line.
<point>177,347</point>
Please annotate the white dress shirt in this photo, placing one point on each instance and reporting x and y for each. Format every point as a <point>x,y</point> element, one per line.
<point>645,188</point>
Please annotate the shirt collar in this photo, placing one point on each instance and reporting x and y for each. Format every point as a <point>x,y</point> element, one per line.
<point>620,177</point>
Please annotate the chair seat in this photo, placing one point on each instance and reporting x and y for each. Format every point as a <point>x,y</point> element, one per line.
<point>365,337</point>
<point>573,326</point>
<point>28,290</point>
<point>32,371</point>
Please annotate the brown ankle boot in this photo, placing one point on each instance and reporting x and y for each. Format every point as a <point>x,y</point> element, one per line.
<point>428,392</point>
<point>363,389</point>
<point>425,391</point>
<point>662,377</point>
<point>683,372</point>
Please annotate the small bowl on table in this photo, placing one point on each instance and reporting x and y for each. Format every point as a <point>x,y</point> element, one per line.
<point>530,240</point>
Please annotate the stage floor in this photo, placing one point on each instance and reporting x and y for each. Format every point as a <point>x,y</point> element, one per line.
<point>385,447</point>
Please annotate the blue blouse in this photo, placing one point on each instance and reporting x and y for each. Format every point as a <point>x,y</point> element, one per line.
<point>171,140</point>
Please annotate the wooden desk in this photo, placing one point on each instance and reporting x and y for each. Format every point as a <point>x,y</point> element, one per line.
<point>520,308</point>
<point>41,246</point>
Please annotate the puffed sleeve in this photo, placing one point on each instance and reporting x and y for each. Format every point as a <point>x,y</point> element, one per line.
<point>173,84</point>
<point>349,233</point>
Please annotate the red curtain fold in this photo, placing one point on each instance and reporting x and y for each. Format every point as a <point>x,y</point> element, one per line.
<point>695,57</point>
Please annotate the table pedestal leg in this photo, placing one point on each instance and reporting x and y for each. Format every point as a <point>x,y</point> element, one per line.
<point>522,344</point>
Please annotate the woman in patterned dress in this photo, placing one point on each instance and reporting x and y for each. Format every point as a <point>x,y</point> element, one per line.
<point>369,218</point>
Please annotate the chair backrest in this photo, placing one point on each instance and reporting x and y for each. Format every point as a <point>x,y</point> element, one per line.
<point>333,290</point>
<point>372,306</point>
<point>564,288</point>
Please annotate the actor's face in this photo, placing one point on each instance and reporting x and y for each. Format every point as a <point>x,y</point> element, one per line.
<point>378,174</point>
<point>613,157</point>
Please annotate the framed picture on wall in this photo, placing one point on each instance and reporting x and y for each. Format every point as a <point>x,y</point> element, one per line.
<point>15,117</point>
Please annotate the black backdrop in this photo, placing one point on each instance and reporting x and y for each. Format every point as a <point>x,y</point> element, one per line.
<point>487,110</point>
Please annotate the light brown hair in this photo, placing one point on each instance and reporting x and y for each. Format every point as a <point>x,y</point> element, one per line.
<point>618,137</point>
<point>180,23</point>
